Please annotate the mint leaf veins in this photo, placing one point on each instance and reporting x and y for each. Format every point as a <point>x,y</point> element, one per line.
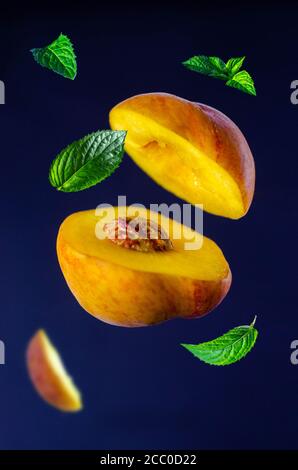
<point>87,161</point>
<point>58,56</point>
<point>229,71</point>
<point>228,348</point>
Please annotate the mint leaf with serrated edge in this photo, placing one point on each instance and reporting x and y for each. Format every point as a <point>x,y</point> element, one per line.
<point>211,66</point>
<point>243,81</point>
<point>228,348</point>
<point>87,161</point>
<point>230,71</point>
<point>58,56</point>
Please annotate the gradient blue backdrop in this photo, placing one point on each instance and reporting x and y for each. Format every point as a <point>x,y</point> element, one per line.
<point>140,388</point>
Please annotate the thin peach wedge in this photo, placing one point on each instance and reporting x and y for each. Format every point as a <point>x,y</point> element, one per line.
<point>136,281</point>
<point>190,149</point>
<point>49,376</point>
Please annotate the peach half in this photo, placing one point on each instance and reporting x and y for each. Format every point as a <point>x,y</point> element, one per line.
<point>49,376</point>
<point>190,149</point>
<point>136,280</point>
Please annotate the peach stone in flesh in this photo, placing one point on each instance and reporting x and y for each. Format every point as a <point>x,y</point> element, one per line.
<point>143,285</point>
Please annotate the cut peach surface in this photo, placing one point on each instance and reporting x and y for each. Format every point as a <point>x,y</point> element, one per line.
<point>49,376</point>
<point>190,149</point>
<point>131,287</point>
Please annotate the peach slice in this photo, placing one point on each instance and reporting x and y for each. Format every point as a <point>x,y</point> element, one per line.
<point>49,376</point>
<point>191,149</point>
<point>137,281</point>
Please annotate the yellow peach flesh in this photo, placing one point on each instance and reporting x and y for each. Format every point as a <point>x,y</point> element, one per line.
<point>131,288</point>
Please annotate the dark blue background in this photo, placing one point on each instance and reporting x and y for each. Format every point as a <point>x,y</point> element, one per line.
<point>140,388</point>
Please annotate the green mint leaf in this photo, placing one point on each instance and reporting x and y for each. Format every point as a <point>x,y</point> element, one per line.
<point>87,161</point>
<point>211,66</point>
<point>58,56</point>
<point>230,72</point>
<point>218,64</point>
<point>234,65</point>
<point>227,349</point>
<point>243,81</point>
